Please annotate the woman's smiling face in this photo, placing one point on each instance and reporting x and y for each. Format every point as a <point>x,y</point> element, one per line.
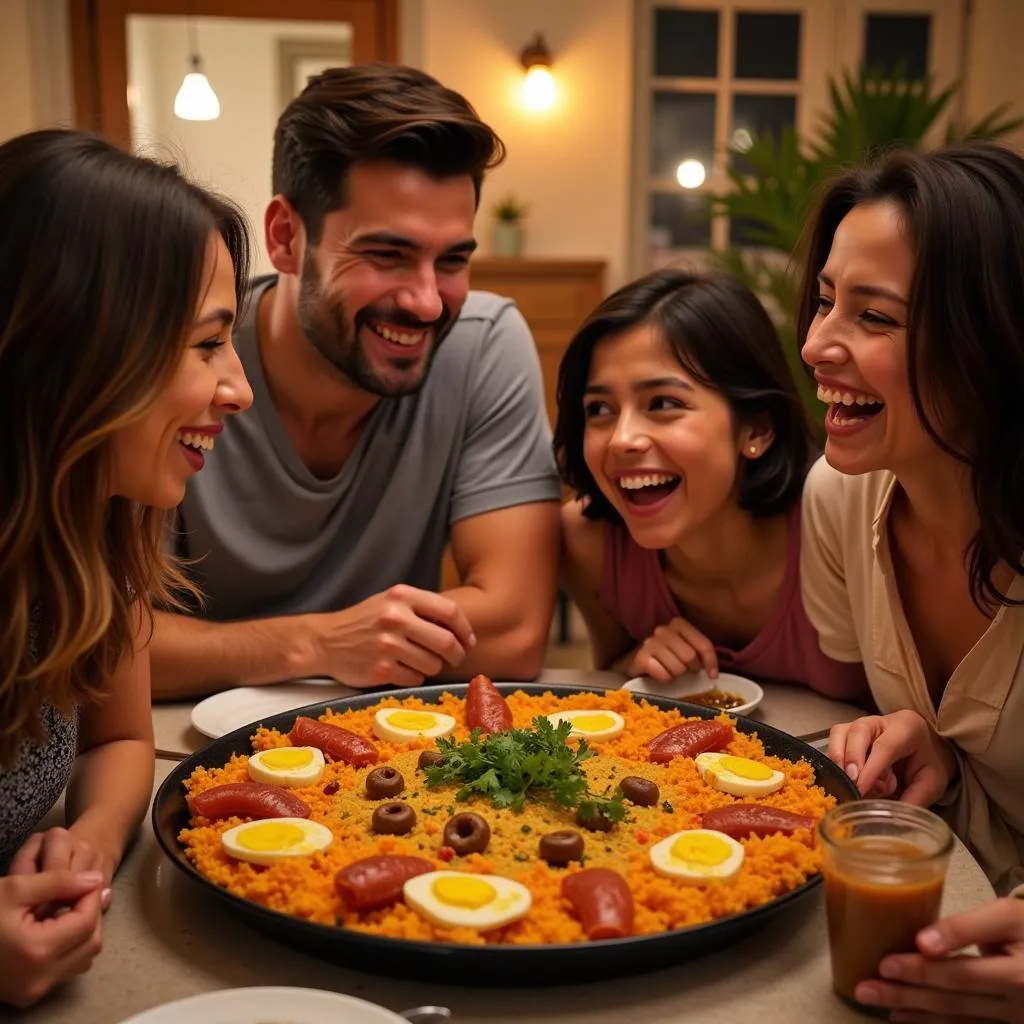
<point>857,344</point>
<point>662,447</point>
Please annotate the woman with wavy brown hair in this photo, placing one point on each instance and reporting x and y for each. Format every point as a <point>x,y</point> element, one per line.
<point>119,283</point>
<point>912,317</point>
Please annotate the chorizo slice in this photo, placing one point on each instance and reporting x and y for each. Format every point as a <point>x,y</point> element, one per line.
<point>743,820</point>
<point>376,882</point>
<point>486,708</point>
<point>602,901</point>
<point>248,800</point>
<point>337,743</point>
<point>689,740</point>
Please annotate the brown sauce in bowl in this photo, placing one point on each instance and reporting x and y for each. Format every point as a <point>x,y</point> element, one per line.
<point>721,700</point>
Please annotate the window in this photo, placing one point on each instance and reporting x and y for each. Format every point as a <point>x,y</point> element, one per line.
<point>712,74</point>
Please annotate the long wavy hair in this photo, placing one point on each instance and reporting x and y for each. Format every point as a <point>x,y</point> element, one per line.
<point>101,271</point>
<point>963,209</point>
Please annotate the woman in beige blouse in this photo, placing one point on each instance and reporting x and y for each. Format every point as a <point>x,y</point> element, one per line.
<point>913,320</point>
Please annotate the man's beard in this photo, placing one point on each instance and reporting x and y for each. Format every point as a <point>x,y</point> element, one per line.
<point>336,337</point>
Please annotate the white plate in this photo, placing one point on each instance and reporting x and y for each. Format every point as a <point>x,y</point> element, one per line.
<point>697,682</point>
<point>224,712</point>
<point>268,1006</point>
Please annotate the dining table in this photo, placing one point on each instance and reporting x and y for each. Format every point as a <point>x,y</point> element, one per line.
<point>165,938</point>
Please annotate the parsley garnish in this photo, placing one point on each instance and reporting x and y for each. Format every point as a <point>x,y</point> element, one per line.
<point>507,766</point>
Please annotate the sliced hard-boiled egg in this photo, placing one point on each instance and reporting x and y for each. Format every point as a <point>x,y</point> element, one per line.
<point>739,776</point>
<point>269,840</point>
<point>454,898</point>
<point>698,856</point>
<point>400,725</point>
<point>592,725</point>
<point>287,766</point>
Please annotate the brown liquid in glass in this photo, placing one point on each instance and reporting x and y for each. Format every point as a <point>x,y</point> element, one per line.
<point>868,919</point>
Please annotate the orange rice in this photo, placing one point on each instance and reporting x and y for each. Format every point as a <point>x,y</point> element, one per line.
<point>305,887</point>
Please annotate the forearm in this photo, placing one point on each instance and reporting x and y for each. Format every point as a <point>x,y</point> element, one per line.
<point>191,657</point>
<point>109,794</point>
<point>510,640</point>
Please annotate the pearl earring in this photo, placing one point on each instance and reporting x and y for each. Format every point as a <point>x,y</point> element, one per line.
<point>752,449</point>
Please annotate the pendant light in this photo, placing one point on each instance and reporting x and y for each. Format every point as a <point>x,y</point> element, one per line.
<point>196,100</point>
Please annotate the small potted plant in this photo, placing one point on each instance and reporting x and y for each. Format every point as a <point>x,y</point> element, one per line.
<point>508,229</point>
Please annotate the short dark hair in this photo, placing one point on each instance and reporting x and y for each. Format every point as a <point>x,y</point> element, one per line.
<point>723,338</point>
<point>963,208</point>
<point>374,112</point>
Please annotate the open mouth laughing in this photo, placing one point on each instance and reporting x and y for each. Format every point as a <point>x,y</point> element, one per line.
<point>643,489</point>
<point>848,410</point>
<point>193,441</point>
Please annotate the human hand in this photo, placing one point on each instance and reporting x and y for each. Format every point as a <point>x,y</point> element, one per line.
<point>60,849</point>
<point>673,649</point>
<point>882,752</point>
<point>934,986</point>
<point>400,636</point>
<point>38,954</point>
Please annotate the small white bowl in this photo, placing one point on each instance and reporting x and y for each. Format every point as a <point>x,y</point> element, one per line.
<point>699,682</point>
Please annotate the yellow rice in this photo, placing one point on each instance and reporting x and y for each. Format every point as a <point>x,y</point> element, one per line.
<point>305,887</point>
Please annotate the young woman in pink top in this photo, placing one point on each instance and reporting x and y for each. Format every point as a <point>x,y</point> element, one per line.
<point>681,431</point>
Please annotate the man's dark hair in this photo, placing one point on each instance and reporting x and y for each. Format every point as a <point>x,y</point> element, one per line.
<point>374,112</point>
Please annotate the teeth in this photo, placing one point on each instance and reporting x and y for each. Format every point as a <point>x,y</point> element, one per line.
<point>195,440</point>
<point>634,483</point>
<point>399,337</point>
<point>830,397</point>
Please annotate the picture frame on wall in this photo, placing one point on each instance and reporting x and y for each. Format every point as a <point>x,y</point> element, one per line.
<point>300,59</point>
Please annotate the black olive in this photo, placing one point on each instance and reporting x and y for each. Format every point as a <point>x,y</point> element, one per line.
<point>558,848</point>
<point>429,758</point>
<point>393,819</point>
<point>467,833</point>
<point>384,782</point>
<point>641,792</point>
<point>598,821</point>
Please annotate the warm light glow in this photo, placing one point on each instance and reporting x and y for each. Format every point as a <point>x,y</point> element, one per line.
<point>196,100</point>
<point>742,139</point>
<point>539,88</point>
<point>691,174</point>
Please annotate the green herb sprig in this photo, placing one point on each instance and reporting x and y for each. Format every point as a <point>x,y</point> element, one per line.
<point>508,766</point>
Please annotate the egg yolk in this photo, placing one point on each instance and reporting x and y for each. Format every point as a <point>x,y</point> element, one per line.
<point>270,835</point>
<point>592,723</point>
<point>285,758</point>
<point>707,850</point>
<point>414,721</point>
<point>464,892</point>
<point>744,767</point>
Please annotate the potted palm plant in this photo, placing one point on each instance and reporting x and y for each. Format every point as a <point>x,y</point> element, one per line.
<point>509,214</point>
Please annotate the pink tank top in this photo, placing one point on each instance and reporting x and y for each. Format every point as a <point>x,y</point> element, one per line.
<point>634,590</point>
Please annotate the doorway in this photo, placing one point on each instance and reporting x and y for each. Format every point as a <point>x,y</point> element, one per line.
<point>100,50</point>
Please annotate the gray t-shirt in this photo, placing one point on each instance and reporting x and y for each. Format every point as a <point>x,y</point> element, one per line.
<point>272,539</point>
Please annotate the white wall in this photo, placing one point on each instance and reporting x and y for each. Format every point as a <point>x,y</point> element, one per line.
<point>570,164</point>
<point>233,153</point>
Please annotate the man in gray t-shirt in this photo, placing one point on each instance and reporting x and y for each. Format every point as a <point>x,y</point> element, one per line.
<point>394,413</point>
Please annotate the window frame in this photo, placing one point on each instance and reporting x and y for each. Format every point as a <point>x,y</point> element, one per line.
<point>832,35</point>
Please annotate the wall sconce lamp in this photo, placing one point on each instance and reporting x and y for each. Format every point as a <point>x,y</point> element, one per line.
<point>539,84</point>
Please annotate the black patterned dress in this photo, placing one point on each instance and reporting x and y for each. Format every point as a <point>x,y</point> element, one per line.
<point>39,774</point>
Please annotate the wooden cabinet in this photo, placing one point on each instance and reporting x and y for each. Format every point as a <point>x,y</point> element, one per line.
<point>554,295</point>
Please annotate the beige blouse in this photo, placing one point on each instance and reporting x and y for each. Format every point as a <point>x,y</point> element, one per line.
<point>851,597</point>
